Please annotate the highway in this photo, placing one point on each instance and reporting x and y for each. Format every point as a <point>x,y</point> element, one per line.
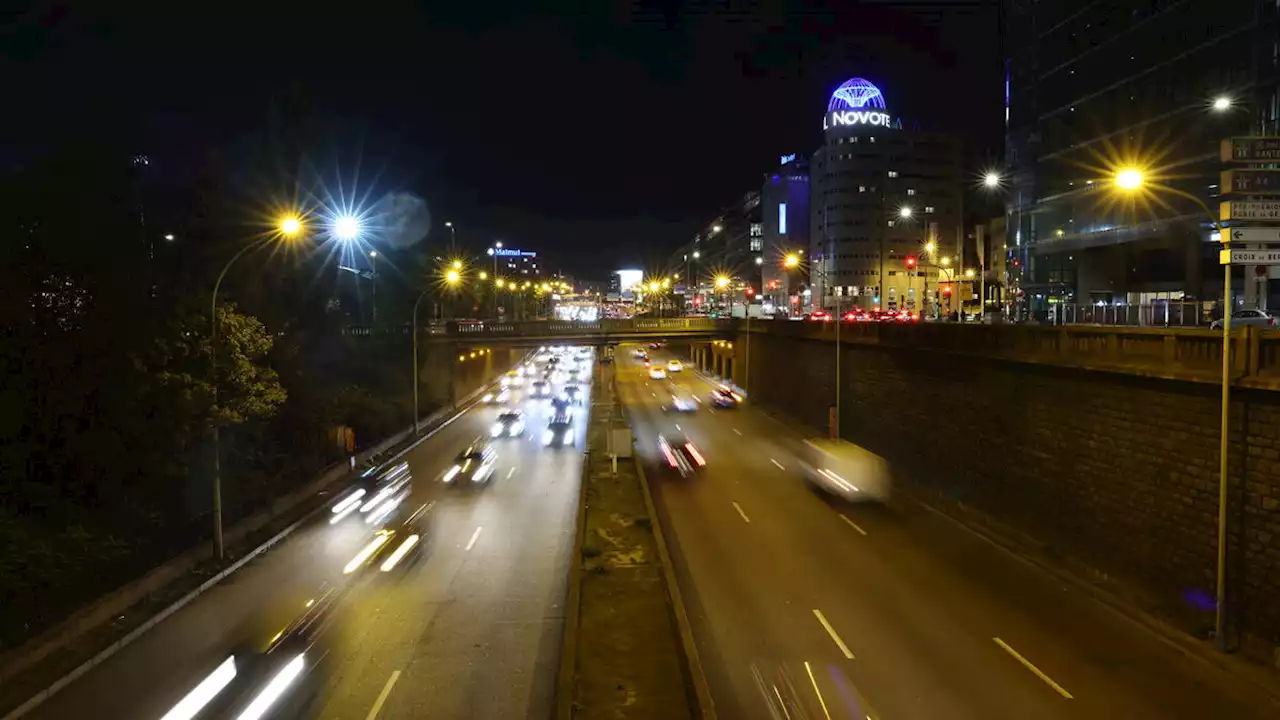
<point>806,607</point>
<point>473,629</point>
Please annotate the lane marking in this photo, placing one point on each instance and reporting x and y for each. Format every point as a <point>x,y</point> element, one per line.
<point>738,507</point>
<point>832,632</point>
<point>852,524</point>
<point>382,696</point>
<point>678,429</point>
<point>511,472</point>
<point>778,464</point>
<point>1027,663</point>
<point>474,536</point>
<point>737,431</point>
<point>816,690</point>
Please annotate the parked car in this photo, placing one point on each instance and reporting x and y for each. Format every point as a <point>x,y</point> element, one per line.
<point>1239,318</point>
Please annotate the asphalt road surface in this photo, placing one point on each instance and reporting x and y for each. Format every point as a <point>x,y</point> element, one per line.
<point>806,607</point>
<point>472,630</point>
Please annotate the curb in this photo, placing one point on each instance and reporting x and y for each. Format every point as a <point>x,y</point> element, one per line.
<point>704,706</point>
<point>40,697</point>
<point>566,677</point>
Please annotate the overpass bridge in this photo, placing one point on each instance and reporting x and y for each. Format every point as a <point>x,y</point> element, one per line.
<point>539,332</point>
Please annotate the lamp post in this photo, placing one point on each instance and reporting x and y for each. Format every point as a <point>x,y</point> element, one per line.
<point>288,228</point>
<point>451,278</point>
<point>1133,180</point>
<point>373,269</point>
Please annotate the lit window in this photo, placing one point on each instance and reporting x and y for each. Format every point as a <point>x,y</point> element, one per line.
<point>782,218</point>
<point>862,188</point>
<point>911,191</point>
<point>928,209</point>
<point>890,223</point>
<point>893,173</point>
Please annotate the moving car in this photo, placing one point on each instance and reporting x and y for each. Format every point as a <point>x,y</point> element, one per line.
<point>846,470</point>
<point>657,373</point>
<point>657,345</point>
<point>574,393</point>
<point>514,378</point>
<point>493,397</point>
<point>641,354</point>
<point>723,397</point>
<point>510,423</point>
<point>540,389</point>
<point>682,402</point>
<point>674,366</point>
<point>820,316</point>
<point>1240,318</point>
<point>396,545</point>
<point>559,432</point>
<point>375,496</point>
<point>473,465</point>
<point>680,454</point>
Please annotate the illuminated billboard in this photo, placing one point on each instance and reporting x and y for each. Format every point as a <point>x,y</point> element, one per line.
<point>629,278</point>
<point>857,103</point>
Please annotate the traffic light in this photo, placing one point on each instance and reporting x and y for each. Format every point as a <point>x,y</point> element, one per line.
<point>946,291</point>
<point>750,291</point>
<point>911,261</point>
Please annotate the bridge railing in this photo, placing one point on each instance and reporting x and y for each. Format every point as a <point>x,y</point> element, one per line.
<point>646,327</point>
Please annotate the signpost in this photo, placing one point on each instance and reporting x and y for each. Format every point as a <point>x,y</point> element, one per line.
<point>1250,150</point>
<point>1248,181</point>
<point>1249,257</point>
<point>1237,210</point>
<point>1254,234</point>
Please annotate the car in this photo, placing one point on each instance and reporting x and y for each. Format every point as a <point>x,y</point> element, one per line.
<point>675,366</point>
<point>573,393</point>
<point>510,423</point>
<point>396,545</point>
<point>473,465</point>
<point>641,354</point>
<point>1258,318</point>
<point>680,454</point>
<point>540,389</point>
<point>657,345</point>
<point>374,497</point>
<point>657,373</point>
<point>724,397</point>
<point>682,403</point>
<point>559,432</point>
<point>494,397</point>
<point>820,316</point>
<point>514,378</point>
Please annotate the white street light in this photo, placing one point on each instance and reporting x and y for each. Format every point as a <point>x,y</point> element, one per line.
<point>991,180</point>
<point>346,228</point>
<point>1222,102</point>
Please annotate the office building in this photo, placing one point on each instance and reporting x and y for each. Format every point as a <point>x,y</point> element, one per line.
<point>880,189</point>
<point>1093,88</point>
<point>784,213</point>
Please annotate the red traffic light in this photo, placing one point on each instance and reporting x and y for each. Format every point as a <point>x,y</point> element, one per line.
<point>750,291</point>
<point>911,261</point>
<point>946,291</point>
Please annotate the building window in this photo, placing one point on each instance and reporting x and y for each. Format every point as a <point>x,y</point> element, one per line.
<point>928,209</point>
<point>782,218</point>
<point>890,223</point>
<point>862,188</point>
<point>893,173</point>
<point>911,191</point>
<point>757,244</point>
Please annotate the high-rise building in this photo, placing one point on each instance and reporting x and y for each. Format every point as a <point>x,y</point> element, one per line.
<point>784,213</point>
<point>1093,88</point>
<point>880,190</point>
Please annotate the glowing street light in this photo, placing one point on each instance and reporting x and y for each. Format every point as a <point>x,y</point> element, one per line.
<point>945,261</point>
<point>696,254</point>
<point>484,275</point>
<point>1221,103</point>
<point>759,260</point>
<point>290,226</point>
<point>791,261</point>
<point>904,211</point>
<point>457,265</point>
<point>1130,179</point>
<point>452,277</point>
<point>968,272</point>
<point>930,247</point>
<point>716,228</point>
<point>722,282</point>
<point>502,283</point>
<point>991,180</point>
<point>346,228</point>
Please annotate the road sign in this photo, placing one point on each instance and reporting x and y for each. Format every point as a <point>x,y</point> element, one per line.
<point>1254,234</point>
<point>1240,210</point>
<point>1249,257</point>
<point>1251,149</point>
<point>1247,181</point>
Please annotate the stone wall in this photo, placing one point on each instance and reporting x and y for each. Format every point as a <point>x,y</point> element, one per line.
<point>1117,470</point>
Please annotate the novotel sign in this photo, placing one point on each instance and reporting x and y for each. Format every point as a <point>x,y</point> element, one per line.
<point>855,118</point>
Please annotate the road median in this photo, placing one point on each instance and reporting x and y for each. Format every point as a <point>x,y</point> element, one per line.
<point>627,652</point>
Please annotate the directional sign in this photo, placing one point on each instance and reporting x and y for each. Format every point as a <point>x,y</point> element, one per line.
<point>1251,149</point>
<point>1249,257</point>
<point>1240,210</point>
<point>1251,182</point>
<point>1254,234</point>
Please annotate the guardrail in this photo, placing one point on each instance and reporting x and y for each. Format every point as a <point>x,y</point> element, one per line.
<point>1181,353</point>
<point>639,327</point>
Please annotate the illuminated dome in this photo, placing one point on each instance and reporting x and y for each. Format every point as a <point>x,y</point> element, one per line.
<point>856,94</point>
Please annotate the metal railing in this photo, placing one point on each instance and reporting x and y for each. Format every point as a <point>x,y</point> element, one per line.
<point>640,327</point>
<point>1165,314</point>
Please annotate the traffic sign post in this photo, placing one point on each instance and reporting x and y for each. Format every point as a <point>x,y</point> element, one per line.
<point>1248,181</point>
<point>1249,257</point>
<point>1238,210</point>
<point>1253,234</point>
<point>1250,150</point>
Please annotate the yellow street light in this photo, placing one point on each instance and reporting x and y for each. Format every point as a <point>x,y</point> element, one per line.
<point>452,277</point>
<point>968,272</point>
<point>1130,179</point>
<point>502,283</point>
<point>653,286</point>
<point>457,264</point>
<point>791,261</point>
<point>666,283</point>
<point>484,275</point>
<point>945,261</point>
<point>676,276</point>
<point>722,282</point>
<point>930,246</point>
<point>290,226</point>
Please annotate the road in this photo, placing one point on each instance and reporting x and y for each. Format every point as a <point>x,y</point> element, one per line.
<point>826,609</point>
<point>472,630</point>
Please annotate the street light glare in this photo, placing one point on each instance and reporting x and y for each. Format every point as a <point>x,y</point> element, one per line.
<point>1222,102</point>
<point>346,228</point>
<point>968,272</point>
<point>791,261</point>
<point>930,246</point>
<point>722,282</point>
<point>945,260</point>
<point>759,260</point>
<point>904,212</point>
<point>1130,179</point>
<point>484,275</point>
<point>716,228</point>
<point>991,180</point>
<point>498,244</point>
<point>452,277</point>
<point>290,226</point>
<point>696,254</point>
<point>457,264</point>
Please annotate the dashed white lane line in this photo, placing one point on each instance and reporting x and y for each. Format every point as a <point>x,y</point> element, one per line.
<point>738,507</point>
<point>474,536</point>
<point>778,464</point>
<point>832,632</point>
<point>382,696</point>
<point>852,524</point>
<point>511,472</point>
<point>1027,664</point>
<point>737,431</point>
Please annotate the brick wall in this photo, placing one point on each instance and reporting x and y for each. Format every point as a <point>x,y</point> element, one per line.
<point>1110,469</point>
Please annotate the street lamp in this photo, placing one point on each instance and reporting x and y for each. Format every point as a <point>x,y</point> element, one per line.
<point>451,280</point>
<point>991,180</point>
<point>1130,179</point>
<point>346,228</point>
<point>791,262</point>
<point>219,549</point>
<point>904,212</point>
<point>1221,103</point>
<point>290,226</point>
<point>453,235</point>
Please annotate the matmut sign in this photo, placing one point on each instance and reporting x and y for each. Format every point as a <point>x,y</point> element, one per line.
<point>855,118</point>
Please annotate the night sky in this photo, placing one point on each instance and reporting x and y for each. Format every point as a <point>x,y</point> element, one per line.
<point>601,133</point>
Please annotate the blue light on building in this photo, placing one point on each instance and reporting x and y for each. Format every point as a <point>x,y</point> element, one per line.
<point>782,218</point>
<point>856,94</point>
